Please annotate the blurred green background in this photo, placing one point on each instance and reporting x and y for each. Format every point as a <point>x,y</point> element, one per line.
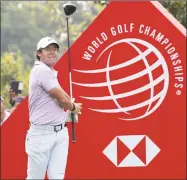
<point>24,23</point>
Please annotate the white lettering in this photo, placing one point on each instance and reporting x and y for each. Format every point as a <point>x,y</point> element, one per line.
<point>87,56</point>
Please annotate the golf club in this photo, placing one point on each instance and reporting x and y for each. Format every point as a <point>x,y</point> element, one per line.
<point>69,9</point>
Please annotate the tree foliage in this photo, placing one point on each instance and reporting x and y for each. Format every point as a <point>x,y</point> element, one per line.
<point>177,9</point>
<point>23,23</point>
<point>12,67</point>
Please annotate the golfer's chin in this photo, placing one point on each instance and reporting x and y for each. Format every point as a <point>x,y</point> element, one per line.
<point>52,62</point>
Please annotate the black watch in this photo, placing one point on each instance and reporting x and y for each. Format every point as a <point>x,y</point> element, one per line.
<point>73,107</point>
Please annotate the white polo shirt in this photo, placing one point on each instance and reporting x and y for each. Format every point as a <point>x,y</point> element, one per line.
<point>43,108</point>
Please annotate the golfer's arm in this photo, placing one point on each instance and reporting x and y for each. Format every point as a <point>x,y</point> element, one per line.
<point>62,97</point>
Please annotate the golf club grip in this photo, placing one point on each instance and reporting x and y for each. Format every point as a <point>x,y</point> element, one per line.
<point>73,127</point>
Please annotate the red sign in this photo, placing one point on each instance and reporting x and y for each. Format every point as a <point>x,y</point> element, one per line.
<point>128,70</point>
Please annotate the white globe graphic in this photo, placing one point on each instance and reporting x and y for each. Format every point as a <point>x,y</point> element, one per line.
<point>149,103</point>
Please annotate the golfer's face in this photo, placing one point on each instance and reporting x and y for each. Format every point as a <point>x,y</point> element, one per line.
<point>49,55</point>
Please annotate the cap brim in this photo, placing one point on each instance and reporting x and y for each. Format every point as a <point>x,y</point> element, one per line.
<point>48,45</point>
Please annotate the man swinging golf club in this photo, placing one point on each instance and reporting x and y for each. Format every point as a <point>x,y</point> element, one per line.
<point>47,139</point>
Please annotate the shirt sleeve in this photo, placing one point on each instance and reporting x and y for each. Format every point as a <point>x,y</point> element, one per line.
<point>47,79</point>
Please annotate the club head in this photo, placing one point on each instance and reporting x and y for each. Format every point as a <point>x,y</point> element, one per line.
<point>69,9</point>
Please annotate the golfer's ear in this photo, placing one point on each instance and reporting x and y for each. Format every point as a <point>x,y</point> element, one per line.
<point>38,53</point>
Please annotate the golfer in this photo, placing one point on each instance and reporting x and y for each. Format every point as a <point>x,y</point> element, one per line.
<point>47,139</point>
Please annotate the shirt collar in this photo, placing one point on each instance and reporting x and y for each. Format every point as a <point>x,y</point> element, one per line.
<point>52,70</point>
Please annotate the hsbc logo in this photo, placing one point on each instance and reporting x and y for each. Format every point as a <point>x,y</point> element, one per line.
<point>131,151</point>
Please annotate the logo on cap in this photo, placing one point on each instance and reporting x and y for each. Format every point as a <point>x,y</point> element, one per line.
<point>50,39</point>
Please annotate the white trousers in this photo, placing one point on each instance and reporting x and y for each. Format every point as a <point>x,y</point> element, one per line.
<point>47,151</point>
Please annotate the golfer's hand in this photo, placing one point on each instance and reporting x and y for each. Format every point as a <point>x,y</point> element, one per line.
<point>69,118</point>
<point>73,100</point>
<point>78,108</point>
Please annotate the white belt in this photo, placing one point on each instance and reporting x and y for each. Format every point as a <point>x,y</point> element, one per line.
<point>51,128</point>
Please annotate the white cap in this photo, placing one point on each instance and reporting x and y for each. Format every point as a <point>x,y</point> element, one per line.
<point>44,42</point>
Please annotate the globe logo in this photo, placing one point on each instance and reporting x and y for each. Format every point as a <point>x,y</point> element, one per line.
<point>132,100</point>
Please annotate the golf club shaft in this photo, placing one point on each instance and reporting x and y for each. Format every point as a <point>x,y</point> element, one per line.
<point>70,78</point>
